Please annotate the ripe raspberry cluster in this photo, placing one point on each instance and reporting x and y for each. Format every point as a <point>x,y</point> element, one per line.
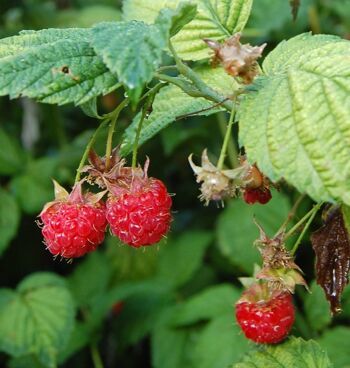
<point>266,321</point>
<point>137,211</point>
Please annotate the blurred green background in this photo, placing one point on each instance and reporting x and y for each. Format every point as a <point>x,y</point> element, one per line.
<point>177,296</point>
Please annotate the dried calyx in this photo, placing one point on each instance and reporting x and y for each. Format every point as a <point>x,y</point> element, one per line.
<point>238,60</point>
<point>217,184</point>
<point>99,172</point>
<point>279,269</point>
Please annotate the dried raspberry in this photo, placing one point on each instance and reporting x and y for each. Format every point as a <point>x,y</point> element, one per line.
<point>265,320</point>
<point>139,212</point>
<point>73,224</point>
<point>117,308</point>
<point>252,196</point>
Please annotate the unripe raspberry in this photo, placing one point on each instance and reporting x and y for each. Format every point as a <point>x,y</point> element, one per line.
<point>74,224</point>
<point>265,319</point>
<point>139,213</point>
<point>252,196</point>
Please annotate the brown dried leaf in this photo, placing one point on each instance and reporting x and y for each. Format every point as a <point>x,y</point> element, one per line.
<point>295,4</point>
<point>332,247</point>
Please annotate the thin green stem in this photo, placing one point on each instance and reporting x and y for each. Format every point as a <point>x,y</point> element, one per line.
<point>226,139</point>
<point>145,111</point>
<point>203,89</point>
<point>92,140</point>
<point>95,356</point>
<point>113,120</point>
<point>291,213</point>
<point>307,225</point>
<point>231,148</point>
<point>302,220</point>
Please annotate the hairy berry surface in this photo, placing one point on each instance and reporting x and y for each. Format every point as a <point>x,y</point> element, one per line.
<point>266,322</point>
<point>72,230</point>
<point>141,216</point>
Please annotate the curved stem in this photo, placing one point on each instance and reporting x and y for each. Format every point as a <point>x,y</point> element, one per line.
<point>231,148</point>
<point>303,219</point>
<point>113,120</point>
<point>226,139</point>
<point>95,356</point>
<point>291,213</point>
<point>88,147</point>
<point>145,111</point>
<point>307,225</point>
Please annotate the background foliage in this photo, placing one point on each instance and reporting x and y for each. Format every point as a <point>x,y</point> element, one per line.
<point>177,297</point>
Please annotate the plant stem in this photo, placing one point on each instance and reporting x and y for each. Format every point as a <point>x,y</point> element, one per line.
<point>231,148</point>
<point>203,89</point>
<point>145,110</point>
<point>226,139</point>
<point>95,356</point>
<point>291,213</point>
<point>103,124</point>
<point>304,218</point>
<point>113,120</point>
<point>307,225</point>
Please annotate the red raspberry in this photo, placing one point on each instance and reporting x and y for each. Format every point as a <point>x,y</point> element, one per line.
<point>266,321</point>
<point>74,225</point>
<point>252,196</point>
<point>139,213</point>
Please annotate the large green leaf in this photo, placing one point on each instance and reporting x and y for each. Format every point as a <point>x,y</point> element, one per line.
<point>53,66</point>
<point>181,257</point>
<point>293,353</point>
<point>220,343</point>
<point>336,343</point>
<point>295,121</point>
<point>37,318</point>
<point>216,19</point>
<point>317,308</point>
<point>90,279</point>
<point>133,50</point>
<point>236,230</point>
<point>9,219</point>
<point>171,102</point>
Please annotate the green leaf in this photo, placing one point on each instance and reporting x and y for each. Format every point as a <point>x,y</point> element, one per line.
<point>293,353</point>
<point>37,319</point>
<point>9,219</point>
<point>128,263</point>
<point>54,65</point>
<point>220,343</point>
<point>90,108</point>
<point>12,157</point>
<point>171,348</point>
<point>210,303</point>
<point>133,50</point>
<point>172,21</point>
<point>336,343</point>
<point>317,308</point>
<point>305,143</point>
<point>90,279</point>
<point>171,102</point>
<point>86,16</point>
<point>216,19</point>
<point>181,257</point>
<point>236,230</point>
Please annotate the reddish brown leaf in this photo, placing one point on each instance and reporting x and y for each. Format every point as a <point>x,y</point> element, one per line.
<point>295,4</point>
<point>332,247</point>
